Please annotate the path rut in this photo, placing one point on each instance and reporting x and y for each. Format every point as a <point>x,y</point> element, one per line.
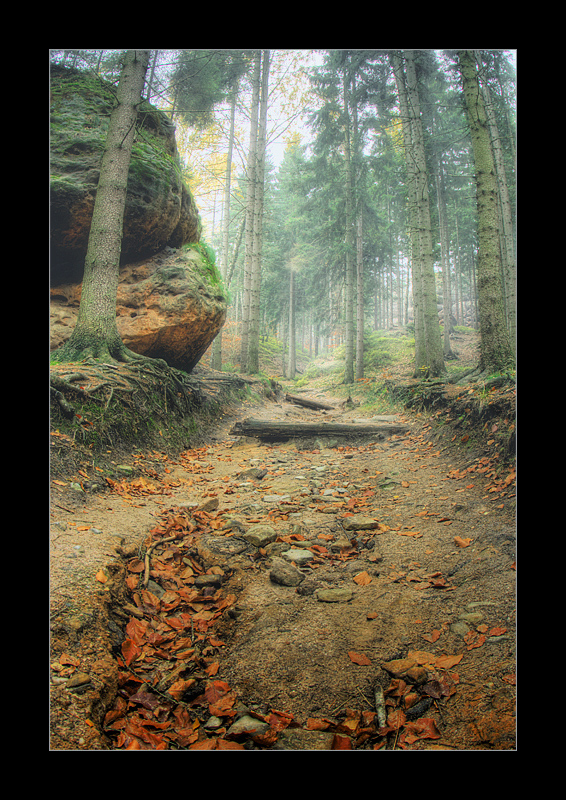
<point>416,546</point>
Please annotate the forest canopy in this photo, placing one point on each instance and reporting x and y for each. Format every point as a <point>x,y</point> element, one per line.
<point>347,191</point>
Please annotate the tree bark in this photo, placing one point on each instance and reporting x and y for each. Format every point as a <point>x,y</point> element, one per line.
<point>349,286</point>
<point>216,359</point>
<point>434,363</point>
<point>496,352</point>
<point>255,285</point>
<point>250,209</point>
<point>263,429</point>
<point>303,401</point>
<point>508,246</point>
<point>96,333</point>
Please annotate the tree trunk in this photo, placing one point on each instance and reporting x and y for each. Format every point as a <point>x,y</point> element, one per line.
<point>349,285</point>
<point>360,298</point>
<point>508,248</point>
<point>250,209</point>
<point>315,405</point>
<point>216,360</point>
<point>292,343</point>
<point>445,263</point>
<point>264,429</point>
<point>496,352</point>
<point>255,286</point>
<point>96,333</point>
<point>434,361</point>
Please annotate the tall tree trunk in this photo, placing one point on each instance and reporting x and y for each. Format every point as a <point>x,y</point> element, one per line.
<point>216,360</point>
<point>445,262</point>
<point>292,332</point>
<point>255,285</point>
<point>250,210</point>
<point>508,248</point>
<point>96,333</point>
<point>360,297</point>
<point>496,351</point>
<point>349,283</point>
<point>434,364</point>
<point>415,232</point>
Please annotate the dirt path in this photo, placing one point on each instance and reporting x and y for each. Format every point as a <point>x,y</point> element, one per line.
<point>405,585</point>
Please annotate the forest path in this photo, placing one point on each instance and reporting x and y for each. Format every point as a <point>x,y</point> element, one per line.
<point>404,580</point>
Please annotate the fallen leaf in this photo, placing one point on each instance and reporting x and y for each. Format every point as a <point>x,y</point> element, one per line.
<point>341,742</point>
<point>424,728</point>
<point>101,576</point>
<point>359,658</point>
<point>462,542</point>
<point>497,631</point>
<point>362,579</point>
<point>432,637</point>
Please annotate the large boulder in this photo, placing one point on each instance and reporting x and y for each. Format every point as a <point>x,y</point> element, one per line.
<point>170,306</point>
<point>160,210</point>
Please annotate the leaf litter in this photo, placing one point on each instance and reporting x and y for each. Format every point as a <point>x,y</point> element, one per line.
<point>185,668</point>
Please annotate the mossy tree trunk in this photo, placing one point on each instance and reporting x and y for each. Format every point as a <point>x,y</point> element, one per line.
<point>96,333</point>
<point>429,360</point>
<point>496,351</point>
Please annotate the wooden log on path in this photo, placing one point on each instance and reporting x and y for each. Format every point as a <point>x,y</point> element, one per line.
<point>304,401</point>
<point>268,429</point>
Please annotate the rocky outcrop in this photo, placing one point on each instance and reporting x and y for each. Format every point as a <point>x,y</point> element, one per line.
<point>160,210</point>
<point>170,306</point>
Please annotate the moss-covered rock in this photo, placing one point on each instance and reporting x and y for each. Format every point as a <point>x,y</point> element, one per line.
<point>160,209</point>
<point>170,306</point>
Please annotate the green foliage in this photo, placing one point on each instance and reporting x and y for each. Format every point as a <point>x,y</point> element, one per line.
<point>208,263</point>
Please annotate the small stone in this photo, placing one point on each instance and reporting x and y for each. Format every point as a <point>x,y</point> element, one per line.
<point>276,498</point>
<point>473,617</point>
<point>359,523</point>
<point>213,723</point>
<point>202,581</point>
<point>209,505</point>
<point>253,472</point>
<point>334,595</point>
<point>260,535</point>
<point>78,679</point>
<point>285,574</point>
<point>298,556</point>
<point>125,469</point>
<point>247,725</point>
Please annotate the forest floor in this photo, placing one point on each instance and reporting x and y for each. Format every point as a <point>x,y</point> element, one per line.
<point>300,595</point>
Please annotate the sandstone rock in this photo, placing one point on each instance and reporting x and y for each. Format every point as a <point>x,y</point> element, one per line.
<point>359,523</point>
<point>260,535</point>
<point>170,306</point>
<point>284,573</point>
<point>160,209</point>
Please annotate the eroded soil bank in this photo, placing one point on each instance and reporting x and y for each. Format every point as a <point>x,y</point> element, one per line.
<point>297,595</point>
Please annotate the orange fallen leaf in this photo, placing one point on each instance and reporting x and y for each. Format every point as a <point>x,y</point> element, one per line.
<point>341,742</point>
<point>462,542</point>
<point>359,658</point>
<point>446,662</point>
<point>362,579</point>
<point>432,637</point>
<point>101,576</point>
<point>497,631</point>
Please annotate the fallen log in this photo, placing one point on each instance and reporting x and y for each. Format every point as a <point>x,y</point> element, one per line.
<point>304,401</point>
<point>263,429</point>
